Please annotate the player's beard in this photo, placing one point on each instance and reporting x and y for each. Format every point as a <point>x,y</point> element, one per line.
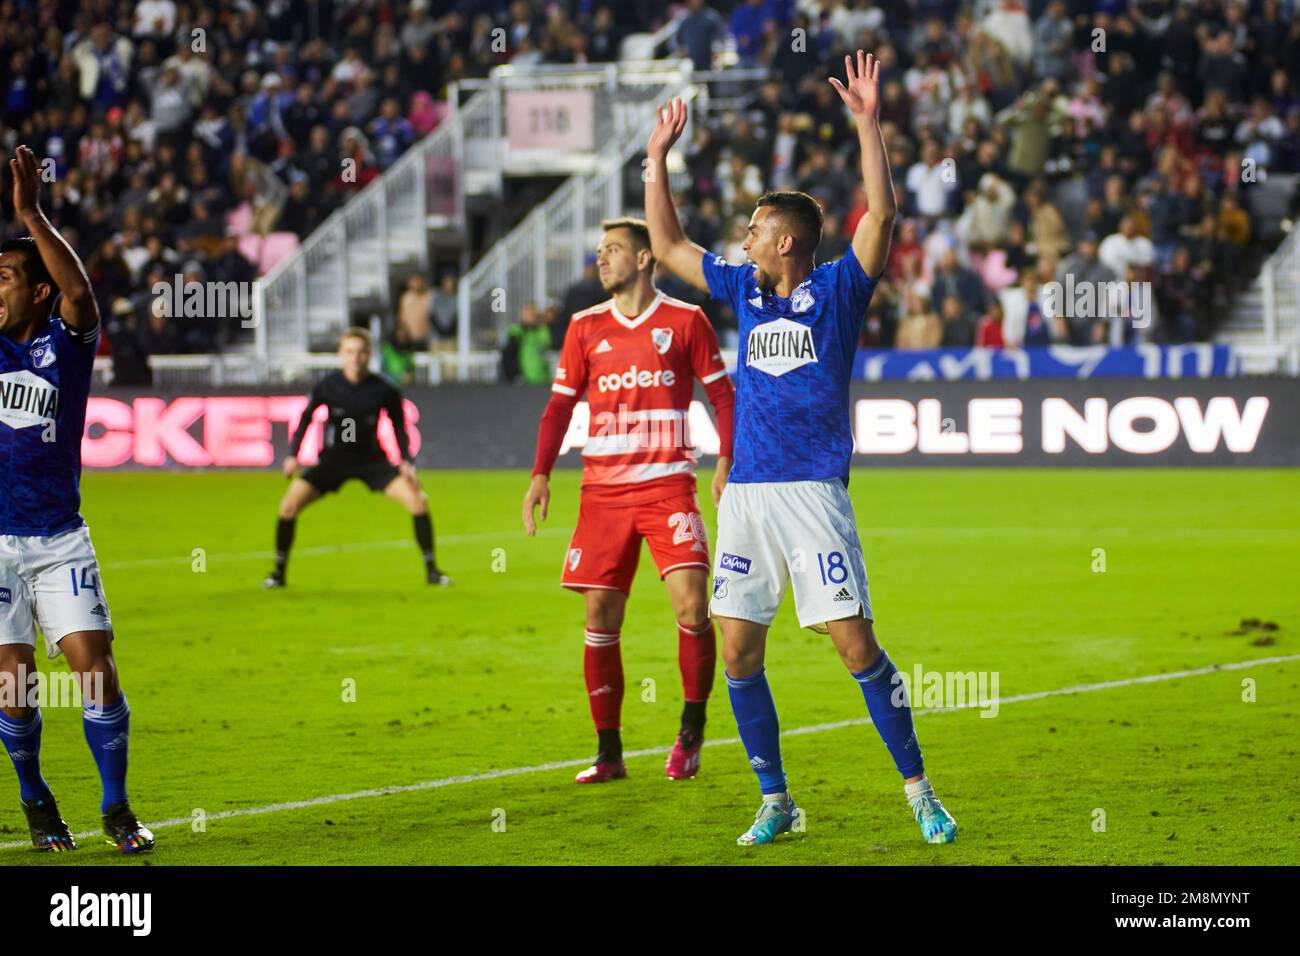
<point>614,285</point>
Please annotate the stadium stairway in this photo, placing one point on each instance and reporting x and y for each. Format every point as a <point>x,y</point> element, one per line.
<point>352,266</point>
<point>1263,322</point>
<point>347,268</point>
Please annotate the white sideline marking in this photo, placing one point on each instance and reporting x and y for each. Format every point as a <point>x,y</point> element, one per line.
<point>586,761</point>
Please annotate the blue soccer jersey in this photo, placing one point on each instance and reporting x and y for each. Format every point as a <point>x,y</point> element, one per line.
<point>793,369</point>
<point>44,386</point>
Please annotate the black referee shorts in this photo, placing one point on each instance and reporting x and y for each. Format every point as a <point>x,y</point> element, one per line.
<point>330,473</point>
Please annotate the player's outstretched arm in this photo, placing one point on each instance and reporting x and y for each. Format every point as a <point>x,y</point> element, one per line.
<point>78,309</point>
<point>861,94</point>
<point>667,241</point>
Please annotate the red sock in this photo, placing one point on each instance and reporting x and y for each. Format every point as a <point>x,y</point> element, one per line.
<point>697,654</point>
<point>602,665</point>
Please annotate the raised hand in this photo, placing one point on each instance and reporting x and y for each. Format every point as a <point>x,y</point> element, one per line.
<point>27,183</point>
<point>862,92</point>
<point>672,120</point>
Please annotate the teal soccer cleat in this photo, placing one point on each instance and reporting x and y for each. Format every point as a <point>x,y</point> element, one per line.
<point>774,817</point>
<point>937,824</point>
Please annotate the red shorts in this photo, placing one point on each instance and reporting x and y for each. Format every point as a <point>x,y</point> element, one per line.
<point>607,542</point>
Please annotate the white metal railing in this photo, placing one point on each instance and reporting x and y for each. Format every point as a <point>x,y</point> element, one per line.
<point>542,256</point>
<point>1280,278</point>
<point>666,33</point>
<point>306,300</point>
<point>1275,345</point>
<point>724,51</point>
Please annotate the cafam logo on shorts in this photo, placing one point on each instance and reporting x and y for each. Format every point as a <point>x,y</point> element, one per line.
<point>734,562</point>
<point>779,346</point>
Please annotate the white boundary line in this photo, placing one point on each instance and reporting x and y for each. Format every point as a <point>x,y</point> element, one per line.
<point>652,751</point>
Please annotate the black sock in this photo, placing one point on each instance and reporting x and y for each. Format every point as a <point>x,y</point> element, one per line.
<point>693,719</point>
<point>424,538</point>
<point>610,745</point>
<point>283,542</point>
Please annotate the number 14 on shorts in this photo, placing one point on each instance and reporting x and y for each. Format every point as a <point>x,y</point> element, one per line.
<point>89,581</point>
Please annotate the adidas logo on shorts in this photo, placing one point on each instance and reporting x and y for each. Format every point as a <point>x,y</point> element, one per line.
<point>843,595</point>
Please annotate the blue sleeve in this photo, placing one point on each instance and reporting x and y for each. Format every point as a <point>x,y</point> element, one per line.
<point>853,287</point>
<point>82,345</point>
<point>726,282</point>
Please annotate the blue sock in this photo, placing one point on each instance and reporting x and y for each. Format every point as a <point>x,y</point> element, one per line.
<point>893,723</point>
<point>751,702</point>
<point>107,733</point>
<point>22,739</point>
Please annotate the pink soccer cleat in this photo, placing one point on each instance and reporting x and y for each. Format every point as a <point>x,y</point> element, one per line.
<point>684,761</point>
<point>602,772</point>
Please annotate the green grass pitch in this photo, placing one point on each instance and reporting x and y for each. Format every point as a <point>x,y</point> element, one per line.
<point>238,694</point>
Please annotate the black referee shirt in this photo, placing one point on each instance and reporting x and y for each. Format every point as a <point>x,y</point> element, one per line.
<point>352,430</point>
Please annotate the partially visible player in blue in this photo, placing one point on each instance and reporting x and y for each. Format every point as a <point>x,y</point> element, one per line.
<point>48,571</point>
<point>785,517</point>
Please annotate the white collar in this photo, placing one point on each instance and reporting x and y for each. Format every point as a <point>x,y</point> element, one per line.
<point>627,323</point>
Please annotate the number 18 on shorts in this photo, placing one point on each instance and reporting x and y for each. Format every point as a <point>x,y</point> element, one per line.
<point>800,533</point>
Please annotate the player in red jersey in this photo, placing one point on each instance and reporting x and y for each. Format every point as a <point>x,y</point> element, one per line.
<point>637,357</point>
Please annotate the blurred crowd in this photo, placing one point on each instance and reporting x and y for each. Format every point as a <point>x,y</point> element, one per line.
<point>1113,140</point>
<point>1031,144</point>
<point>204,140</point>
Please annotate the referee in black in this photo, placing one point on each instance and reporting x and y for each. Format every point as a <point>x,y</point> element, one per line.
<point>354,397</point>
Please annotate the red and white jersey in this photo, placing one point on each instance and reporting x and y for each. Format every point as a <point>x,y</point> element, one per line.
<point>639,375</point>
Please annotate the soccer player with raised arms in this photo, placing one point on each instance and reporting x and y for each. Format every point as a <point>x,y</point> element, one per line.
<point>786,517</point>
<point>637,357</point>
<point>48,570</point>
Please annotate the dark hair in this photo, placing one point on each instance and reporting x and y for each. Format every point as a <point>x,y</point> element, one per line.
<point>801,213</point>
<point>33,265</point>
<point>640,231</point>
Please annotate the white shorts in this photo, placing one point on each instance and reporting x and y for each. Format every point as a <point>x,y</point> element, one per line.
<point>53,581</point>
<point>797,532</point>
